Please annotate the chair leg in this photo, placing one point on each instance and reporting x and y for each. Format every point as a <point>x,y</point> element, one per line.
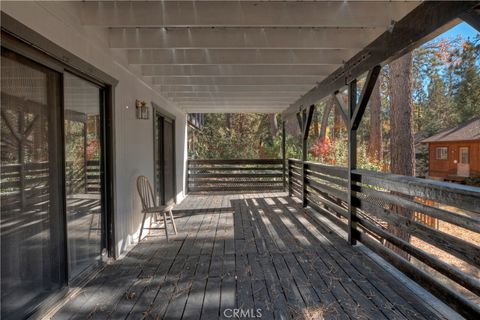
<point>173,222</point>
<point>165,223</point>
<point>141,228</point>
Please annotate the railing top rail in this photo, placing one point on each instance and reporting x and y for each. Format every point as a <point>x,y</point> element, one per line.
<point>465,197</point>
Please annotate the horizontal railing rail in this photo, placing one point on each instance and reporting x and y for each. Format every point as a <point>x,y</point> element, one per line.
<point>386,219</point>
<point>235,175</point>
<point>27,184</point>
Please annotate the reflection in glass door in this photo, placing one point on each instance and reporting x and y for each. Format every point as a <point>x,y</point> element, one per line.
<point>83,173</point>
<point>31,222</point>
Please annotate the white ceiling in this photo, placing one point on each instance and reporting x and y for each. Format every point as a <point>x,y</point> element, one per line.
<point>234,56</point>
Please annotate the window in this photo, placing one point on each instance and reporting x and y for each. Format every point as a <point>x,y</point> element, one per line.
<point>441,153</point>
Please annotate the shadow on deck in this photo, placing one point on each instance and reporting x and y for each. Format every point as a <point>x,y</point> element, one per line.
<point>259,253</point>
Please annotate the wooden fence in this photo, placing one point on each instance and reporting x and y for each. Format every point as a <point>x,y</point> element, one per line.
<point>236,175</point>
<point>386,205</point>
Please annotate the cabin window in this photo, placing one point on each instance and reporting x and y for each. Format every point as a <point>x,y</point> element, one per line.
<point>441,153</point>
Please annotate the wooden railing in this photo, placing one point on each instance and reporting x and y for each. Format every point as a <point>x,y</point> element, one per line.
<point>236,175</point>
<point>384,207</point>
<point>28,184</point>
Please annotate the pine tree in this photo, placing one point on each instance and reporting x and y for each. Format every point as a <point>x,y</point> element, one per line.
<point>467,90</point>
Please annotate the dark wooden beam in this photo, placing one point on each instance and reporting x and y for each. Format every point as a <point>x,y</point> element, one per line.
<point>365,96</point>
<point>307,120</point>
<point>284,158</point>
<point>300,121</point>
<point>341,107</point>
<point>422,24</point>
<point>472,17</point>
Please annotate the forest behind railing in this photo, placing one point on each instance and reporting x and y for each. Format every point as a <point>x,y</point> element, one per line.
<point>236,175</point>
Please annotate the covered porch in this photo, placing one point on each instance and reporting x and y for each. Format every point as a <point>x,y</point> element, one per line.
<point>258,238</point>
<point>250,255</point>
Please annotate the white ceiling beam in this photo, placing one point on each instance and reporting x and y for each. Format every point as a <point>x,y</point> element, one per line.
<point>242,38</point>
<point>256,105</point>
<point>236,70</point>
<point>233,95</point>
<point>233,109</point>
<point>235,104</point>
<point>302,80</point>
<point>280,100</point>
<point>241,13</point>
<point>234,88</point>
<point>238,56</point>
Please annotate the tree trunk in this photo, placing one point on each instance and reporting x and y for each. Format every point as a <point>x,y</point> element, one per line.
<point>374,150</point>
<point>272,120</point>
<point>325,115</point>
<point>228,120</point>
<point>338,122</point>
<point>291,126</point>
<point>401,136</point>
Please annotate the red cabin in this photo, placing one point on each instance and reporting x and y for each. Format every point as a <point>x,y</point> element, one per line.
<point>454,153</point>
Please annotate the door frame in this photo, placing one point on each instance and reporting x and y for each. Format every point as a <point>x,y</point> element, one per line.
<point>460,163</point>
<point>26,42</point>
<point>157,110</point>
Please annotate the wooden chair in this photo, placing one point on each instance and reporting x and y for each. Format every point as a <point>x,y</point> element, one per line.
<point>150,207</point>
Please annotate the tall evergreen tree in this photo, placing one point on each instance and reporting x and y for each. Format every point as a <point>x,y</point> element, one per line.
<point>467,89</point>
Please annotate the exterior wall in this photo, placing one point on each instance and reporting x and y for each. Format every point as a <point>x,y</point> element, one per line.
<point>60,23</point>
<point>444,168</point>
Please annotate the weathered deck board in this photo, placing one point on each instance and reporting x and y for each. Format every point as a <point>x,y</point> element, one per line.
<point>249,251</point>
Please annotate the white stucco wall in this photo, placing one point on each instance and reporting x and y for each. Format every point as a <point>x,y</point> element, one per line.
<point>134,138</point>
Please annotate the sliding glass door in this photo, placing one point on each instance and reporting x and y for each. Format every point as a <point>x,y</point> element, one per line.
<point>83,156</point>
<point>32,259</point>
<point>52,187</point>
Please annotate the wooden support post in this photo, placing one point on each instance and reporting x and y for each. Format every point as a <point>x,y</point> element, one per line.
<point>306,121</point>
<point>289,178</point>
<point>284,152</point>
<point>356,109</point>
<point>352,158</point>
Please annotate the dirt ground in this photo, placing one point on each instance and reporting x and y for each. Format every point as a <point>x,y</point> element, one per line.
<point>461,233</point>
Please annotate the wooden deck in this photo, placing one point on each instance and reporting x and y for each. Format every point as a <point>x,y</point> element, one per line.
<point>250,251</point>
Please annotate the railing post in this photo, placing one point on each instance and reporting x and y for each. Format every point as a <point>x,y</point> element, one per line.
<point>187,177</point>
<point>283,157</point>
<point>356,109</point>
<point>352,157</point>
<point>289,168</point>
<point>306,121</point>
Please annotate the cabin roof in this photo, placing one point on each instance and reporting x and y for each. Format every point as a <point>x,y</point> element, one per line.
<point>469,130</point>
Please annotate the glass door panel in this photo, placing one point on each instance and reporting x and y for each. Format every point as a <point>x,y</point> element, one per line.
<point>83,173</point>
<point>31,226</point>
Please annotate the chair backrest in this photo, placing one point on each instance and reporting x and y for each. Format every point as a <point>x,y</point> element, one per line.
<point>145,192</point>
